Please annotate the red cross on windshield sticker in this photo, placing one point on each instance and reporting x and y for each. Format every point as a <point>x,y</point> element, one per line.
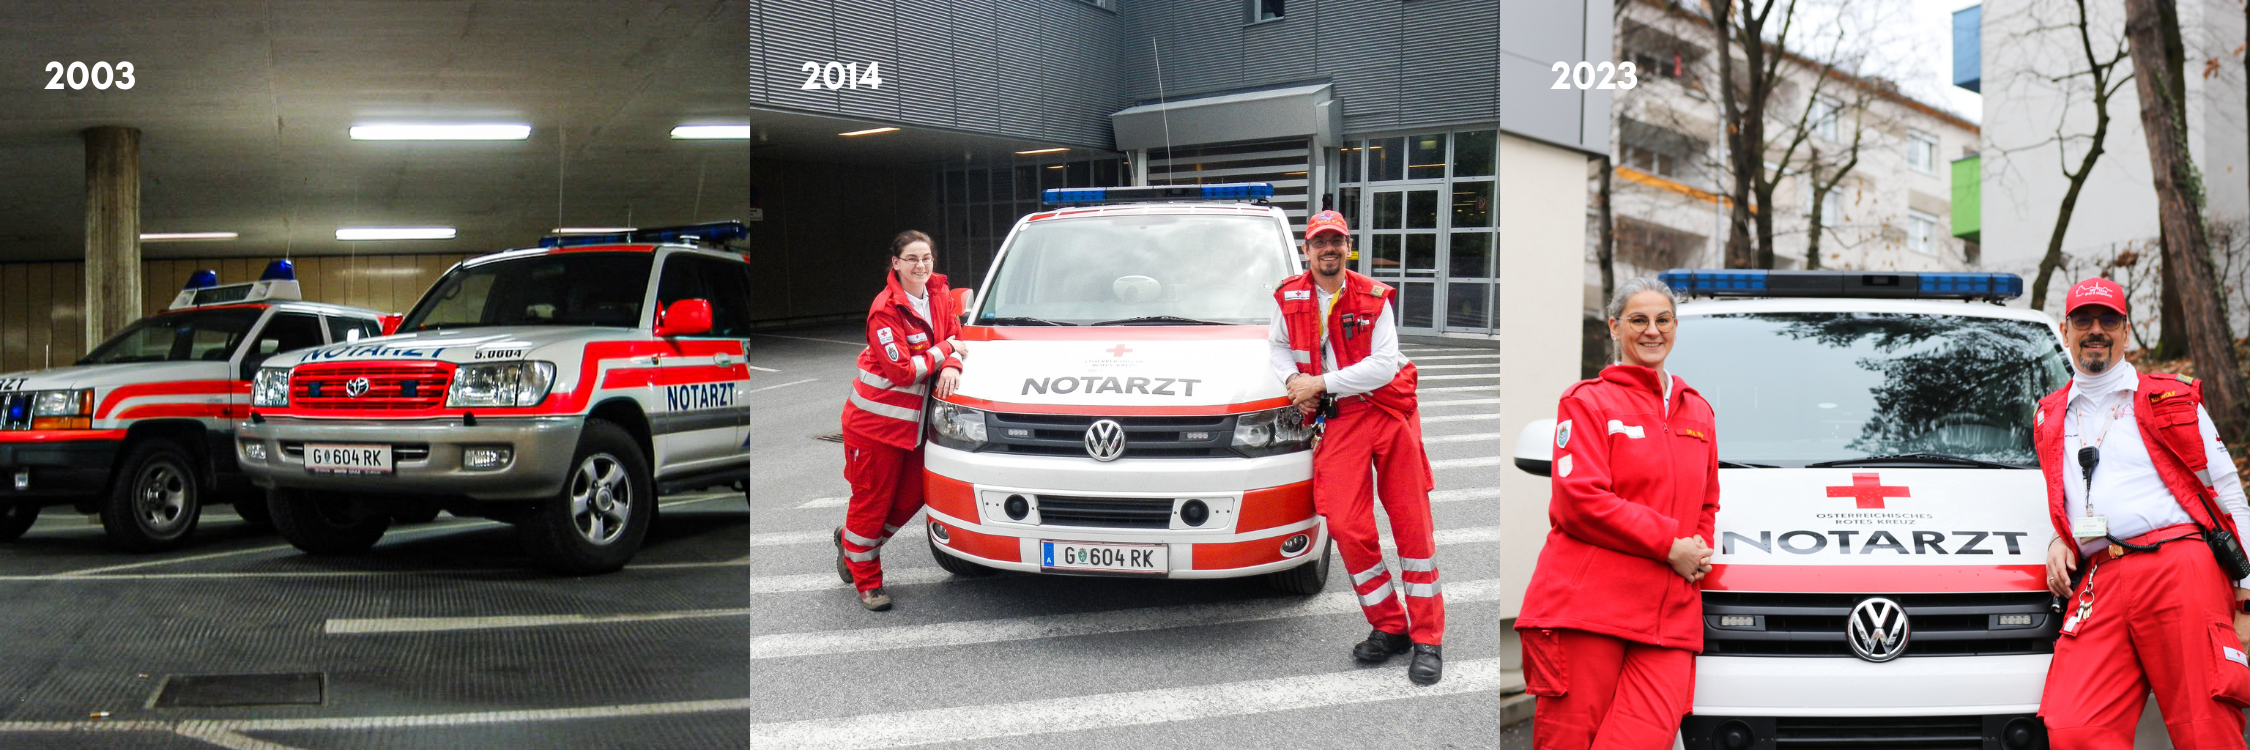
<point>1117,351</point>
<point>1868,490</point>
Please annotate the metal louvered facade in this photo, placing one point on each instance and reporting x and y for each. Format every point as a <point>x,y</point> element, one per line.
<point>1284,163</point>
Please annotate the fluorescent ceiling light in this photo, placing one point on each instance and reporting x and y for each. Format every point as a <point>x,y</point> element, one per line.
<point>869,131</point>
<point>186,236</point>
<point>394,233</point>
<point>712,132</point>
<point>589,230</point>
<point>1043,151</point>
<point>412,132</point>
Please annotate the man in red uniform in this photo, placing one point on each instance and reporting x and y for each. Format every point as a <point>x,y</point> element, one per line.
<point>1335,336</point>
<point>2136,480</point>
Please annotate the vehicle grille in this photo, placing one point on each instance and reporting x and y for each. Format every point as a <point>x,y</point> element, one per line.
<point>1105,512</point>
<point>1940,624</point>
<point>15,411</point>
<point>391,387</point>
<point>1920,732</point>
<point>1145,437</point>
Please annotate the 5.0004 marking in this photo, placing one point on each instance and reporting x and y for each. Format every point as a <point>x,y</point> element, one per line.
<point>838,75</point>
<point>77,75</point>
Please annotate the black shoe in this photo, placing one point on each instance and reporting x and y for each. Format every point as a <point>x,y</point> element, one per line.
<point>1379,647</point>
<point>843,569</point>
<point>877,600</point>
<point>1428,664</point>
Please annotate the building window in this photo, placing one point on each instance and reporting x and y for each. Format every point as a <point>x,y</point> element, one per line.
<point>1921,151</point>
<point>1662,152</point>
<point>1921,232</point>
<point>1823,117</point>
<point>1265,10</point>
<point>1831,205</point>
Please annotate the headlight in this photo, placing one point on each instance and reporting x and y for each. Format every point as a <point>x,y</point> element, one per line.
<point>62,410</point>
<point>957,427</point>
<point>500,384</point>
<point>1272,432</point>
<point>271,388</point>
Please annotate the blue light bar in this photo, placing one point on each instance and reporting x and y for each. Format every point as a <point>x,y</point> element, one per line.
<point>1229,191</point>
<point>710,233</point>
<point>1852,284</point>
<point>202,280</point>
<point>280,270</point>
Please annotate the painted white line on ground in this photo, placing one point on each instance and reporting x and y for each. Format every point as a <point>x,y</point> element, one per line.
<point>1494,367</point>
<point>1458,417</point>
<point>825,502</point>
<point>892,577</point>
<point>808,338</point>
<point>1000,630</point>
<point>386,722</point>
<point>823,536</point>
<point>1410,348</point>
<point>1101,711</point>
<point>1419,360</point>
<point>1469,438</point>
<point>1462,463</point>
<point>1471,493</point>
<point>365,626</point>
<point>762,369</point>
<point>226,738</point>
<point>1464,401</point>
<point>783,385</point>
<point>285,574</point>
<point>1458,388</point>
<point>1485,376</point>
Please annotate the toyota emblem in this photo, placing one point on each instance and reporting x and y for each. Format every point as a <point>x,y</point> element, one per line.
<point>356,387</point>
<point>1877,630</point>
<point>1105,440</point>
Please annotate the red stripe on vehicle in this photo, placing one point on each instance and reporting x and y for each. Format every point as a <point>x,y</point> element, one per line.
<point>58,436</point>
<point>638,377</point>
<point>1128,411</point>
<point>1876,579</point>
<point>200,411</point>
<point>1126,334</point>
<point>175,388</point>
<point>560,402</point>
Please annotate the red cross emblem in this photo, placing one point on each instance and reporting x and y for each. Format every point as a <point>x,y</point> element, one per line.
<point>1117,351</point>
<point>1868,490</point>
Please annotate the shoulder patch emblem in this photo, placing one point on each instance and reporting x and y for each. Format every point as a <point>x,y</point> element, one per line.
<point>1562,435</point>
<point>891,349</point>
<point>1296,294</point>
<point>916,338</point>
<point>1562,466</point>
<point>2041,419</point>
<point>883,335</point>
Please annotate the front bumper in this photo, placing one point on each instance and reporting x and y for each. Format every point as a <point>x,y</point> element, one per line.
<point>59,465</point>
<point>542,448</point>
<point>1842,686</point>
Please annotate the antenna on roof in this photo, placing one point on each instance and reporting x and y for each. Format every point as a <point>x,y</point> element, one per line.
<point>1163,106</point>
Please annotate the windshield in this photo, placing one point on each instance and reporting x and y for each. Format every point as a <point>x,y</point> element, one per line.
<point>568,289</point>
<point>1081,271</point>
<point>1798,388</point>
<point>202,335</point>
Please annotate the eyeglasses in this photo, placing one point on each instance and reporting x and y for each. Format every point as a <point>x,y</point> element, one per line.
<point>2109,322</point>
<point>914,261</point>
<point>1641,322</point>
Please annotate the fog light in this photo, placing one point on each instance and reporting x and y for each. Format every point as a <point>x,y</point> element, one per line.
<point>937,531</point>
<point>2015,620</point>
<point>2019,734</point>
<point>1017,507</point>
<point>1194,513</point>
<point>254,449</point>
<point>1733,735</point>
<point>1017,432</point>
<point>486,459</point>
<point>23,479</point>
<point>1194,437</point>
<point>1738,621</point>
<point>1295,545</point>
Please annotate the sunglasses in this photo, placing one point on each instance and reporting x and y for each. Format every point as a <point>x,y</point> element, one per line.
<point>2109,322</point>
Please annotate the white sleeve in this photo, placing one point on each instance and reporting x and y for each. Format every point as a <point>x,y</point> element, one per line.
<point>1382,363</point>
<point>1277,347</point>
<point>2226,483</point>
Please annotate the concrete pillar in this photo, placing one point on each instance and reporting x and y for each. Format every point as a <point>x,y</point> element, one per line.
<point>113,230</point>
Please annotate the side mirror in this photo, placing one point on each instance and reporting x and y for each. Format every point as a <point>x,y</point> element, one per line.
<point>1535,448</point>
<point>390,323</point>
<point>687,317</point>
<point>962,299</point>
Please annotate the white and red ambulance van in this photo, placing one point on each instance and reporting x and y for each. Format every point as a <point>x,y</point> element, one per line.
<point>139,431</point>
<point>1117,414</point>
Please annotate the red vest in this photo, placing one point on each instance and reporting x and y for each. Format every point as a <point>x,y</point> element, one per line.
<point>1361,300</point>
<point>2165,410</point>
<point>904,354</point>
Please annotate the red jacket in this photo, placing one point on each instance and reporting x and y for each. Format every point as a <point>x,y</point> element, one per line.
<point>2166,411</point>
<point>1361,301</point>
<point>903,355</point>
<point>1627,481</point>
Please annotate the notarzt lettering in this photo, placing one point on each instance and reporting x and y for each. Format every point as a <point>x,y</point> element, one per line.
<point>1807,542</point>
<point>699,396</point>
<point>1101,384</point>
<point>376,350</point>
<point>12,384</point>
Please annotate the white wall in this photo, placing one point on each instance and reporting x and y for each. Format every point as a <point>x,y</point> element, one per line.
<point>1542,237</point>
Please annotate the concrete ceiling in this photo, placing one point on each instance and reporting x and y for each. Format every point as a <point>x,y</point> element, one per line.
<point>244,109</point>
<point>798,136</point>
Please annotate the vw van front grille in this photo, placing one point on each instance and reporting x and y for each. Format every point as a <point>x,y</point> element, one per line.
<point>1145,437</point>
<point>1106,512</point>
<point>1940,624</point>
<point>390,387</point>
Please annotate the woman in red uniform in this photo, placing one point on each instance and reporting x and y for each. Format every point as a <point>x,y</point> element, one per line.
<point>1613,618</point>
<point>910,354</point>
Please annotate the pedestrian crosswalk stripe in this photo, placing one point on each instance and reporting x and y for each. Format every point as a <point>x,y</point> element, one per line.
<point>1458,388</point>
<point>1461,463</point>
<point>1471,493</point>
<point>1419,360</point>
<point>1111,710</point>
<point>1426,419</point>
<point>1486,366</point>
<point>1463,401</point>
<point>1469,438</point>
<point>1488,375</point>
<point>833,502</point>
<point>777,538</point>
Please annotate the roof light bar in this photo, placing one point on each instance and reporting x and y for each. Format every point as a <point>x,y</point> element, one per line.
<point>709,233</point>
<point>279,282</point>
<point>1229,191</point>
<point>712,132</point>
<point>394,233</point>
<point>1858,284</point>
<point>203,279</point>
<point>430,132</point>
<point>280,270</point>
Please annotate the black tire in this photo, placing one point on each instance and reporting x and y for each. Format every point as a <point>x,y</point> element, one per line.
<point>16,518</point>
<point>958,566</point>
<point>1307,579</point>
<point>583,530</point>
<point>323,526</point>
<point>417,516</point>
<point>254,511</point>
<point>154,499</point>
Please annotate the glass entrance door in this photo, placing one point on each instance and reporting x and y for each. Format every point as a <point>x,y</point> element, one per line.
<point>1426,230</point>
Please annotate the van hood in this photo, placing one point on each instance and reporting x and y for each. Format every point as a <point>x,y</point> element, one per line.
<point>461,346</point>
<point>1880,530</point>
<point>1146,370</point>
<point>111,375</point>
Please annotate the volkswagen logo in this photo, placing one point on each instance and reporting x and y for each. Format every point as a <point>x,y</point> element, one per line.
<point>356,387</point>
<point>1105,440</point>
<point>1877,630</point>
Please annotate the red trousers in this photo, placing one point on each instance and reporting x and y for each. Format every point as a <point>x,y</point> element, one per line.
<point>886,493</point>
<point>2159,621</point>
<point>1600,691</point>
<point>1363,437</point>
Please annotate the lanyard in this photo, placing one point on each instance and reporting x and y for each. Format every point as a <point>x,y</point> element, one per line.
<point>2116,400</point>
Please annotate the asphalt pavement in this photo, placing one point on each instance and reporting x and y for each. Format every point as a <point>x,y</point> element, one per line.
<point>1024,661</point>
<point>443,636</point>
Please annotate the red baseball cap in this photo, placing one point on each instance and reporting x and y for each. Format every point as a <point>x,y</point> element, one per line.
<point>2096,291</point>
<point>1325,222</point>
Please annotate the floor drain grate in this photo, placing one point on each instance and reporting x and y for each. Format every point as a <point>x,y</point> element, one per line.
<point>199,690</point>
<point>834,438</point>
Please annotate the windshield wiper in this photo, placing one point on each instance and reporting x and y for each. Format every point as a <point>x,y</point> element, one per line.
<point>1725,464</point>
<point>1158,320</point>
<point>1914,458</point>
<point>1020,321</point>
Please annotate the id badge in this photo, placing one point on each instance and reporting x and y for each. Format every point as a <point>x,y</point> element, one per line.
<point>2090,527</point>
